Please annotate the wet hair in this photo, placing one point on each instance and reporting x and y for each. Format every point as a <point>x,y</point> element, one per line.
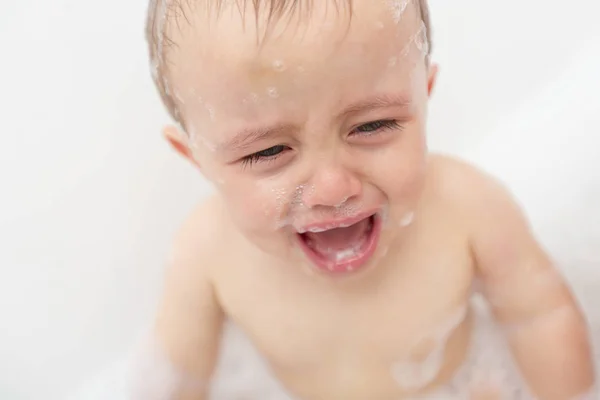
<point>163,13</point>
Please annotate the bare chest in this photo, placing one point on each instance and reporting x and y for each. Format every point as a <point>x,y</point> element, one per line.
<point>387,340</point>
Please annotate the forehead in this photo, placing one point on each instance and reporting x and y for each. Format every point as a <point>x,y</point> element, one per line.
<point>239,41</point>
<point>230,59</point>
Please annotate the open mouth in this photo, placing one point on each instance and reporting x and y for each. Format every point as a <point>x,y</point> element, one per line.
<point>343,246</point>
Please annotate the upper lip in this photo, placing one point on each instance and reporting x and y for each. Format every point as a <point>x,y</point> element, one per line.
<point>334,223</point>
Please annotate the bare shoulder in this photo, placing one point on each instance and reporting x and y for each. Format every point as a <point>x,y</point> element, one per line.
<point>196,252</point>
<point>455,173</point>
<point>468,189</point>
<point>495,222</point>
<point>498,231</point>
<point>198,244</point>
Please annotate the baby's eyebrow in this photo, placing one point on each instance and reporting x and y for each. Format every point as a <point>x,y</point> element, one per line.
<point>385,100</point>
<point>246,137</point>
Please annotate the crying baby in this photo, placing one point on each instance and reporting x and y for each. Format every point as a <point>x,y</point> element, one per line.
<point>342,248</point>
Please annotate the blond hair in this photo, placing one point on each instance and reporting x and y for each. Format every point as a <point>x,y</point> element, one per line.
<point>162,12</point>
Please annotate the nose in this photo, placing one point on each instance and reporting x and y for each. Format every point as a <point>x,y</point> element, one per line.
<point>331,186</point>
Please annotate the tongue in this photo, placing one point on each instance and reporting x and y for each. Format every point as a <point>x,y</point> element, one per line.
<point>340,238</point>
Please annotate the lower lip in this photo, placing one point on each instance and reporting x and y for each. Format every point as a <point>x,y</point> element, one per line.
<point>352,264</point>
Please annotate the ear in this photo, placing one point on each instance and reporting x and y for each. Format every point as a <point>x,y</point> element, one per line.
<point>432,78</point>
<point>179,141</point>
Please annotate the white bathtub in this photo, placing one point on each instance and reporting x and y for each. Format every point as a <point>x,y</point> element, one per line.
<point>90,195</point>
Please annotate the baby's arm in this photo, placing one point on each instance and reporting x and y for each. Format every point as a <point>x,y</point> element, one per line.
<point>177,363</point>
<point>545,328</point>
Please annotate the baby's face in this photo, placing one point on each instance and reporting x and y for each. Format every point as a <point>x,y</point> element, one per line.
<point>321,123</point>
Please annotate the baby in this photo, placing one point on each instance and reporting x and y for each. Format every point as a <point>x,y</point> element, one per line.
<point>344,250</point>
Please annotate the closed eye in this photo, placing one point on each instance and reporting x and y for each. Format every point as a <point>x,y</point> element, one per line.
<point>368,129</point>
<point>377,126</point>
<point>269,154</point>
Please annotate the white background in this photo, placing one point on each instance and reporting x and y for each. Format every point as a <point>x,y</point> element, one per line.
<point>90,195</point>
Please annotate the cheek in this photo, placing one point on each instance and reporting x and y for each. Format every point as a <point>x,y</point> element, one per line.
<point>255,207</point>
<point>399,170</point>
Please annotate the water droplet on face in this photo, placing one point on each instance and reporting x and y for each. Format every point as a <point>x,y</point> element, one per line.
<point>348,210</point>
<point>211,111</point>
<point>296,199</point>
<point>252,98</point>
<point>398,7</point>
<point>273,92</point>
<point>342,202</point>
<point>407,220</point>
<point>179,97</point>
<point>393,61</point>
<point>278,66</point>
<point>421,40</point>
<point>280,197</point>
<point>192,93</point>
<point>406,49</point>
<point>281,202</point>
<point>196,139</point>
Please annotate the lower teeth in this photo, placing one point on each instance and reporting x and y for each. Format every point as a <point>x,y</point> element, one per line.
<point>341,255</point>
<point>345,254</point>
